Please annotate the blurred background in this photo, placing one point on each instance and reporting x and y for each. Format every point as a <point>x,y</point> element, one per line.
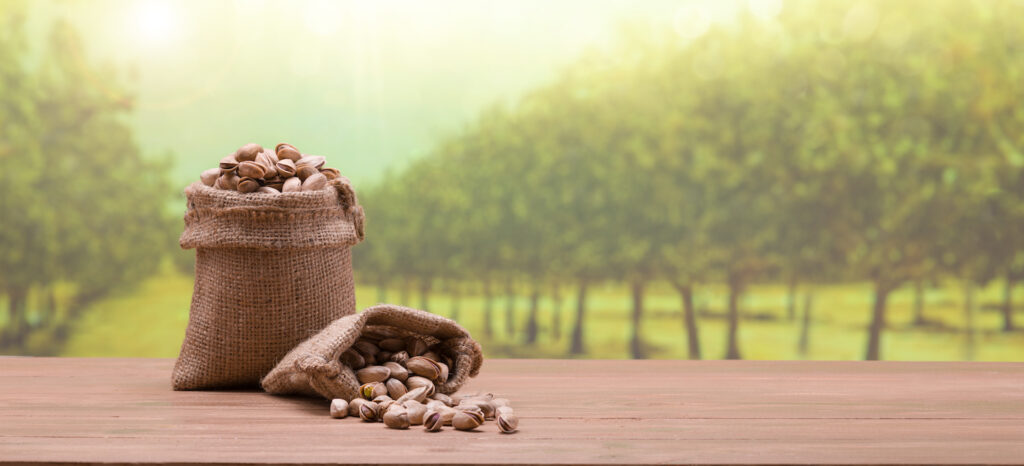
<point>757,179</point>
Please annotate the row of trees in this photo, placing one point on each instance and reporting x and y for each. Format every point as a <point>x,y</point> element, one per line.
<point>82,211</point>
<point>878,142</point>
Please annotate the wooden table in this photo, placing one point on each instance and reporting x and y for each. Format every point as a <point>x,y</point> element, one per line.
<point>737,412</point>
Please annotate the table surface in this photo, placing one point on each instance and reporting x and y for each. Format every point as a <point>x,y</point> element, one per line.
<point>56,410</point>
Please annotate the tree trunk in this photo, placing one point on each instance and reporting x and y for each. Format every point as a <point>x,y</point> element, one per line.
<point>969,340</point>
<point>636,344</point>
<point>1008,304</point>
<point>425,294</point>
<point>556,313</point>
<point>531,321</point>
<point>791,299</point>
<point>689,321</point>
<point>488,310</point>
<point>382,291</point>
<point>510,309</point>
<point>17,300</point>
<point>456,301</point>
<point>577,347</point>
<point>404,296</point>
<point>732,349</point>
<point>805,325</point>
<point>919,319</point>
<point>873,352</point>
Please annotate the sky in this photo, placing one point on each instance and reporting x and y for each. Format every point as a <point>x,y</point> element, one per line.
<point>368,84</point>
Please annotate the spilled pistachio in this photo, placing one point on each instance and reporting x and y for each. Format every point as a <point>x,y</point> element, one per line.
<point>432,421</point>
<point>369,411</point>
<point>373,374</point>
<point>397,417</point>
<point>467,420</point>
<point>396,388</point>
<point>397,370</point>
<point>339,408</point>
<point>507,423</point>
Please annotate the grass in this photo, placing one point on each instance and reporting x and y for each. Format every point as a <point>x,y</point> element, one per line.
<point>151,323</point>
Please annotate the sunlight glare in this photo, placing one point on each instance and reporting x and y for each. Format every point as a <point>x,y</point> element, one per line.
<point>322,17</point>
<point>691,21</point>
<point>156,22</point>
<point>764,9</point>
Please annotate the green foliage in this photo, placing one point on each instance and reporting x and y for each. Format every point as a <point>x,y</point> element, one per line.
<point>875,142</point>
<point>82,207</point>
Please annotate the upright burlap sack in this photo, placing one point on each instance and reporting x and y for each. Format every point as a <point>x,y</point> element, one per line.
<point>271,270</point>
<point>314,368</point>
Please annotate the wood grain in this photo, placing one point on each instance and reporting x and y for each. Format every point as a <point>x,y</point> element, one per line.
<point>119,411</point>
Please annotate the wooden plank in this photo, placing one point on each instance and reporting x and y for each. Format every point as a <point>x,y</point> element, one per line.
<point>56,410</point>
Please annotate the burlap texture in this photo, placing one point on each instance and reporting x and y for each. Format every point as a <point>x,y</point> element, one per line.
<point>271,270</point>
<point>313,368</point>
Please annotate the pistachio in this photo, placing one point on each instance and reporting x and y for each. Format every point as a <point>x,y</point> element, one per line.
<point>507,423</point>
<point>384,403</point>
<point>499,402</point>
<point>292,185</point>
<point>383,356</point>
<point>248,152</point>
<point>416,411</point>
<point>397,371</point>
<point>251,170</point>
<point>392,344</point>
<point>315,161</point>
<point>228,163</point>
<point>467,420</point>
<point>248,185</point>
<point>415,347</point>
<point>314,183</point>
<point>431,356</point>
<point>209,177</point>
<point>418,382</point>
<point>305,171</point>
<point>228,181</point>
<point>400,357</point>
<point>339,408</point>
<point>353,359</point>
<point>369,411</point>
<point>447,400</point>
<point>286,168</point>
<point>269,166</point>
<point>396,388</point>
<point>365,347</point>
<point>353,406</point>
<point>373,374</point>
<point>288,151</point>
<point>372,390</point>
<point>503,410</point>
<point>268,190</point>
<point>331,173</point>
<point>443,376</point>
<point>396,417</point>
<point>418,394</point>
<point>432,421</point>
<point>436,404</point>
<point>447,414</point>
<point>485,406</point>
<point>425,367</point>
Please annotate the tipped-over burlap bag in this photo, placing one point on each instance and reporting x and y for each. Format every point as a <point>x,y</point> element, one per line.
<point>314,368</point>
<point>271,270</point>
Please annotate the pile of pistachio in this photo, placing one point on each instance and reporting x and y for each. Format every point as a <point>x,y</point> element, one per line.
<point>400,377</point>
<point>252,168</point>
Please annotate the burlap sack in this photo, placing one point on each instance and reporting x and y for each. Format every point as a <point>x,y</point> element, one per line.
<point>271,270</point>
<point>313,368</point>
